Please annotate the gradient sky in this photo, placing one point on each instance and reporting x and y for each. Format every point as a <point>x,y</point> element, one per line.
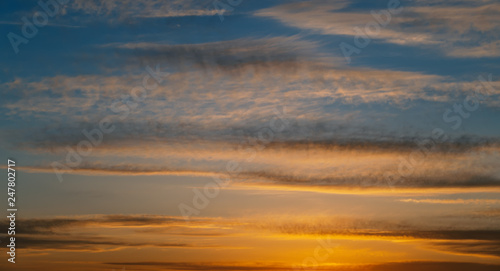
<point>241,137</point>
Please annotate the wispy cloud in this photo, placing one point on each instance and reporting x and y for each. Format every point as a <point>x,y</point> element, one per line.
<point>95,245</point>
<point>64,233</point>
<point>48,24</point>
<point>345,163</point>
<point>465,29</point>
<point>109,232</point>
<point>467,247</point>
<point>153,9</point>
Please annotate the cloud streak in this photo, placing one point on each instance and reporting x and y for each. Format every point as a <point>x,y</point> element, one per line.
<point>355,164</point>
<point>64,233</point>
<point>450,29</point>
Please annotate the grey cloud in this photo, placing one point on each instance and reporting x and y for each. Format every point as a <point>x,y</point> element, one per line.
<point>52,226</point>
<point>95,244</point>
<point>491,248</point>
<point>283,55</point>
<point>116,10</point>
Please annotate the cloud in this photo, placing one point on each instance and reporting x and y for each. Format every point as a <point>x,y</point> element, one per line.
<point>486,49</point>
<point>48,24</point>
<point>495,213</point>
<point>226,87</point>
<point>465,29</point>
<point>111,232</point>
<point>481,248</point>
<point>120,10</point>
<point>54,226</point>
<point>344,163</point>
<point>330,18</point>
<point>204,266</point>
<point>65,233</point>
<point>97,244</point>
<point>464,240</point>
<point>228,82</point>
<point>195,125</point>
<point>258,56</point>
<point>376,229</point>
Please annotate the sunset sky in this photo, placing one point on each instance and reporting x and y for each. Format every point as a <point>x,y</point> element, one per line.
<point>252,135</point>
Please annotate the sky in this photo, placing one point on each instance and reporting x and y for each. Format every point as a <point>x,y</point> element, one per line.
<point>251,135</point>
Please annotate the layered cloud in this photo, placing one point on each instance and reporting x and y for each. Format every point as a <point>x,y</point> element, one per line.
<point>344,163</point>
<point>231,81</point>
<point>98,233</point>
<point>366,157</point>
<point>220,97</point>
<point>113,232</point>
<point>466,29</point>
<point>465,240</point>
<point>282,54</point>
